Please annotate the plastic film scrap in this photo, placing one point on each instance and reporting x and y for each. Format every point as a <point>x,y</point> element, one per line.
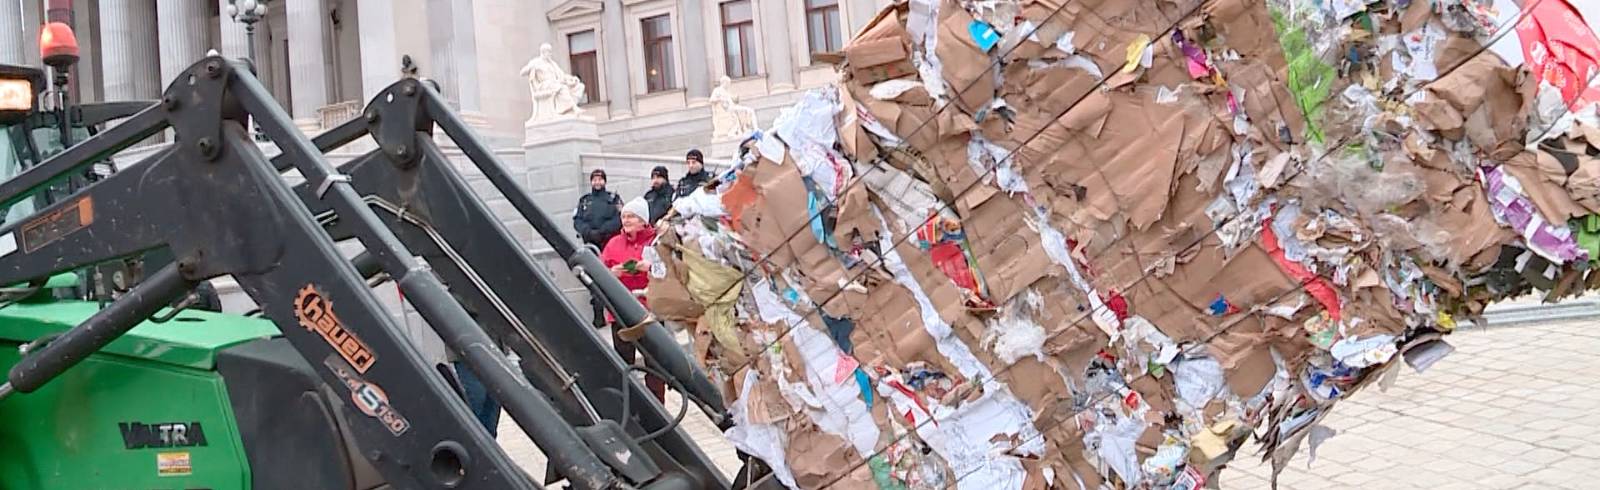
<point>1100,243</point>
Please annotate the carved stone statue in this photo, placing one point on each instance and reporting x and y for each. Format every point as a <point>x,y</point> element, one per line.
<point>556,94</point>
<point>728,118</point>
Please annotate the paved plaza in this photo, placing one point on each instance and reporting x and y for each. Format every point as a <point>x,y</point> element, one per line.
<point>1513,407</point>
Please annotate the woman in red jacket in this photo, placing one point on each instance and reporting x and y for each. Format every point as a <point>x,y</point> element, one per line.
<point>624,254</point>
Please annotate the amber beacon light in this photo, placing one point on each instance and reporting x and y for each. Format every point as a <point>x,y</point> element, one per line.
<point>58,46</point>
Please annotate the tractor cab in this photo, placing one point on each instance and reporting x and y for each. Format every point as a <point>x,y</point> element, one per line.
<point>20,87</point>
<point>36,124</point>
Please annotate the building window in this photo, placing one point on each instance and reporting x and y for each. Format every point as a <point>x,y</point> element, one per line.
<point>658,70</point>
<point>822,25</point>
<point>739,38</point>
<point>585,62</point>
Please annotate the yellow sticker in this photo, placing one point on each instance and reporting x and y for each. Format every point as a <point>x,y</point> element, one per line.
<point>1136,52</point>
<point>1446,322</point>
<point>173,464</point>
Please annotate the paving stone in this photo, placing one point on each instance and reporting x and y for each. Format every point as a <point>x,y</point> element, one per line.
<point>1499,413</point>
<point>1519,467</point>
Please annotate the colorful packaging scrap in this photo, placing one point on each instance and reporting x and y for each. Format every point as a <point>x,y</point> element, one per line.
<point>1029,244</point>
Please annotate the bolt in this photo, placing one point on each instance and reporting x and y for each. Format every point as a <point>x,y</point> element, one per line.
<point>187,267</point>
<point>402,151</point>
<point>206,145</point>
<point>170,102</point>
<point>409,89</point>
<point>372,116</point>
<point>213,69</point>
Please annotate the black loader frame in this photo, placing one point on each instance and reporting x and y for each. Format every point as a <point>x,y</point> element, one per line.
<point>222,208</point>
<point>428,204</point>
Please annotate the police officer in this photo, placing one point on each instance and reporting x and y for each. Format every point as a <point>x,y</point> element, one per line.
<point>597,219</point>
<point>660,195</point>
<point>697,175</point>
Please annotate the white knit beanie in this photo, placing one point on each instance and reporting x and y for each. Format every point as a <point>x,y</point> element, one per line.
<point>637,207</point>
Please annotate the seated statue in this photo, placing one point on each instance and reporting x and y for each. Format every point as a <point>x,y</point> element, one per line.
<point>555,94</point>
<point>728,118</point>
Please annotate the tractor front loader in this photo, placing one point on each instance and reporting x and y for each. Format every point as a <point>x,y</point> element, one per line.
<point>335,396</point>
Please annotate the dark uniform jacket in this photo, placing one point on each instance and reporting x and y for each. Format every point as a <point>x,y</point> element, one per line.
<point>690,182</point>
<point>598,217</point>
<point>660,200</point>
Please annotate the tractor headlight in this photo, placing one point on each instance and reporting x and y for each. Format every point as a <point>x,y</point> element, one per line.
<point>19,88</point>
<point>16,94</point>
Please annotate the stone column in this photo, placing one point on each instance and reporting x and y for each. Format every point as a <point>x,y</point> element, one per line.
<point>128,57</point>
<point>455,52</point>
<point>308,78</point>
<point>182,35</point>
<point>235,41</point>
<point>780,55</point>
<point>380,60</point>
<point>614,49</point>
<point>85,19</point>
<point>147,51</point>
<point>538,26</point>
<point>455,60</point>
<point>32,18</point>
<point>697,75</point>
<point>116,39</point>
<point>11,47</point>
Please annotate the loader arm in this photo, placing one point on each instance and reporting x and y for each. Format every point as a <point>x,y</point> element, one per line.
<point>222,208</point>
<point>394,117</point>
<point>430,206</point>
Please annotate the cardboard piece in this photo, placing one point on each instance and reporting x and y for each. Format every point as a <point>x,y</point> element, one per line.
<point>966,67</point>
<point>1008,253</point>
<point>817,457</point>
<point>667,297</point>
<point>881,52</point>
<point>1542,178</point>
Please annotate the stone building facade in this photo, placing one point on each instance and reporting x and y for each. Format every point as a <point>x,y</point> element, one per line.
<point>649,68</point>
<point>649,65</point>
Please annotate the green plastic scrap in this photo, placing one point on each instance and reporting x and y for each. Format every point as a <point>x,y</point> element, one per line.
<point>716,288</point>
<point>1155,369</point>
<point>1310,78</point>
<point>880,474</point>
<point>1588,235</point>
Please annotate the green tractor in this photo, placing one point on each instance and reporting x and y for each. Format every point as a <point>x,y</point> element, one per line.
<point>118,377</point>
<point>152,408</point>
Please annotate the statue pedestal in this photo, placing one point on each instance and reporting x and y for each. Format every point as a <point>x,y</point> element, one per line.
<point>553,165</point>
<point>552,172</point>
<point>724,148</point>
<point>478,124</point>
<point>539,133</point>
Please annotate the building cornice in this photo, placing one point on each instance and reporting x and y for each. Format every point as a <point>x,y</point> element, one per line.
<point>573,9</point>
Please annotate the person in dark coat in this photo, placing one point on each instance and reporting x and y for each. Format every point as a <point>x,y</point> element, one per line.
<point>597,219</point>
<point>697,175</point>
<point>660,195</point>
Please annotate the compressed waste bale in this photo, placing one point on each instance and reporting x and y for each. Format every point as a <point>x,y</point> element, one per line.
<point>1048,244</point>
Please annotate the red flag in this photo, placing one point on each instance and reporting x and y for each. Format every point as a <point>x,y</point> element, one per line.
<point>1561,49</point>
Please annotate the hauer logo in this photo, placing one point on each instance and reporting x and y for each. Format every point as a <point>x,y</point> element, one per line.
<point>315,313</point>
<point>138,435</point>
